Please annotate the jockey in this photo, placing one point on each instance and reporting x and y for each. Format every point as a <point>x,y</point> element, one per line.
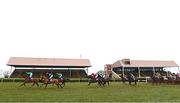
<point>29,74</point>
<point>50,76</point>
<point>60,76</point>
<point>177,75</point>
<point>157,74</point>
<point>131,76</point>
<point>100,77</point>
<point>93,75</point>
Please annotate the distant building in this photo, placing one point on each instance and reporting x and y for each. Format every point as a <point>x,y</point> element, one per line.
<point>71,68</point>
<point>139,67</point>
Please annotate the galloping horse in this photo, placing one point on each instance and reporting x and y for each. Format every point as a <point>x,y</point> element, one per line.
<point>123,78</point>
<point>106,79</point>
<point>32,80</point>
<point>94,80</point>
<point>132,78</point>
<point>157,78</point>
<point>172,78</point>
<point>62,81</point>
<point>129,78</point>
<point>46,81</point>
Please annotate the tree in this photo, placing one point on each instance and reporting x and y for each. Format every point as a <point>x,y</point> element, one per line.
<point>7,73</point>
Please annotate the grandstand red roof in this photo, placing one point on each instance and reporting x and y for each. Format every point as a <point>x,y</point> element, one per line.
<point>48,62</point>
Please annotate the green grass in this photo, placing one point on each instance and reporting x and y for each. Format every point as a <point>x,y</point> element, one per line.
<point>80,92</point>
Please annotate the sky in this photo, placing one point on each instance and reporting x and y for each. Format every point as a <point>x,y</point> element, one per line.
<point>103,31</point>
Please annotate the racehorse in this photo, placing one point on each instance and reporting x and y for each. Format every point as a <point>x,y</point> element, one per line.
<point>106,79</point>
<point>132,78</point>
<point>129,78</point>
<point>172,78</point>
<point>46,81</point>
<point>62,81</point>
<point>32,80</point>
<point>94,80</point>
<point>123,78</point>
<point>157,78</point>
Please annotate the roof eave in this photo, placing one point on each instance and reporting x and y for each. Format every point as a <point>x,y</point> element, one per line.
<point>47,66</point>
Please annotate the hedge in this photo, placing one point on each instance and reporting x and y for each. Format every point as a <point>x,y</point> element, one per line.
<point>69,80</point>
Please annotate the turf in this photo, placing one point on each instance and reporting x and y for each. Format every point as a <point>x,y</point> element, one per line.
<point>80,92</point>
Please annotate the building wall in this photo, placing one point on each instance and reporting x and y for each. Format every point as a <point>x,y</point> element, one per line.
<point>107,69</point>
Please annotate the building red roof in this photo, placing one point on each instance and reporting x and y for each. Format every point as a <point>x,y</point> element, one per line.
<point>48,62</point>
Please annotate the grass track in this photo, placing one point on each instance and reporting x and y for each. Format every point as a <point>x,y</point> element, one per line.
<point>80,92</point>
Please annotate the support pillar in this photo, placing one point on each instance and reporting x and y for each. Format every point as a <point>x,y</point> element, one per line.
<point>153,70</point>
<point>87,70</point>
<point>123,71</point>
<point>139,72</point>
<point>178,70</point>
<point>70,73</point>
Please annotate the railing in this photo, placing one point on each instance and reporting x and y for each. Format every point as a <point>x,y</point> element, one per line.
<point>3,80</point>
<point>143,79</point>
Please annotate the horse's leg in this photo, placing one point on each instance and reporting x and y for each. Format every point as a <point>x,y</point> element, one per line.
<point>64,83</point>
<point>61,85</point>
<point>22,84</point>
<point>103,83</point>
<point>33,83</point>
<point>46,85</point>
<point>42,85</point>
<point>123,81</point>
<point>155,82</point>
<point>37,83</point>
<point>89,83</point>
<point>53,83</point>
<point>158,82</point>
<point>57,84</point>
<point>99,83</point>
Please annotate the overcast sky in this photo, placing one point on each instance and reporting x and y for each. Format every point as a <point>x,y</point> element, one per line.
<point>103,31</point>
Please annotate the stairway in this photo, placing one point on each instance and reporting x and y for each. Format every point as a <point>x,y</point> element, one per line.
<point>114,75</point>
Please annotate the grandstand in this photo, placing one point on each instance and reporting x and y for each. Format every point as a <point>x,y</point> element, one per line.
<point>140,68</point>
<point>70,68</point>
